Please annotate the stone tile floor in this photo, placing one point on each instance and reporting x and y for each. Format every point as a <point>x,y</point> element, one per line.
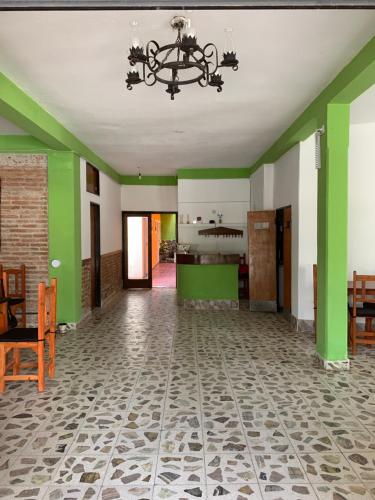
<point>153,401</point>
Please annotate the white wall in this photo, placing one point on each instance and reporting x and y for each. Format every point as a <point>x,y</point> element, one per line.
<point>292,180</point>
<point>199,198</point>
<point>285,193</point>
<point>149,198</point>
<point>361,224</point>
<point>110,214</point>
<point>307,227</point>
<point>261,188</point>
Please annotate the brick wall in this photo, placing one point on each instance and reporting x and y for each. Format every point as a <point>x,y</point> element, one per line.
<point>111,274</point>
<point>24,220</point>
<point>86,286</point>
<point>111,278</point>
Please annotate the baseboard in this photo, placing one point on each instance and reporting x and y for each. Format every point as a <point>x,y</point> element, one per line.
<point>326,364</point>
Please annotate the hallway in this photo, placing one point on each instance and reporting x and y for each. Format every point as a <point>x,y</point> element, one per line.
<point>201,404</point>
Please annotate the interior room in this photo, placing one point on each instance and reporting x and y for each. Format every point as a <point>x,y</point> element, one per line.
<point>187,269</point>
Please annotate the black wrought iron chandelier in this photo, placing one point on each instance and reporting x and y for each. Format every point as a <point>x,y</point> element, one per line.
<point>180,63</point>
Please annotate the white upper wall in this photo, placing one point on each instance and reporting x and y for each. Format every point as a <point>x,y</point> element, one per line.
<point>206,198</point>
<point>307,227</point>
<point>361,224</point>
<point>285,193</point>
<point>292,180</point>
<point>149,198</point>
<point>110,214</point>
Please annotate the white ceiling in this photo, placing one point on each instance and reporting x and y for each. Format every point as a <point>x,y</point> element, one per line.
<point>74,64</point>
<point>362,109</point>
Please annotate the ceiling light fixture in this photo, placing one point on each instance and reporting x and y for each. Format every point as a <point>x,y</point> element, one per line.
<point>183,62</point>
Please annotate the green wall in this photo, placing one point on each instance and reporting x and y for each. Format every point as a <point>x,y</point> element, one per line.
<point>64,232</point>
<point>168,226</point>
<point>210,281</point>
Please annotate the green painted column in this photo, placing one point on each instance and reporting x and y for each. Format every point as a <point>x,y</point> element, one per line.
<point>64,227</point>
<point>332,236</point>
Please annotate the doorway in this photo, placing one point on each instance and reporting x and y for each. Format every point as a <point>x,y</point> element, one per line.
<point>95,255</point>
<point>284,259</point>
<point>150,244</point>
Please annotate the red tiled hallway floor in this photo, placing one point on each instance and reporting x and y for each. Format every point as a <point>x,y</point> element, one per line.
<point>164,275</point>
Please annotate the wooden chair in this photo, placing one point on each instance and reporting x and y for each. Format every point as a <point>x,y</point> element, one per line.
<point>243,275</point>
<point>30,338</point>
<point>14,285</point>
<point>315,285</point>
<point>363,307</point>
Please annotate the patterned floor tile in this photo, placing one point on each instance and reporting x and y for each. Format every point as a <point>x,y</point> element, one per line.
<point>24,492</point>
<point>363,464</point>
<point>284,468</point>
<point>328,467</point>
<point>342,492</point>
<point>78,469</point>
<point>312,440</point>
<point>103,420</point>
<point>131,470</point>
<point>29,470</point>
<point>234,491</point>
<point>263,441</point>
<point>181,420</point>
<point>150,420</point>
<point>180,492</point>
<point>145,442</point>
<point>72,493</point>
<point>240,383</point>
<point>181,441</point>
<point>126,492</point>
<point>353,440</point>
<point>93,442</point>
<point>180,469</point>
<point>224,441</point>
<point>288,492</point>
<point>234,468</point>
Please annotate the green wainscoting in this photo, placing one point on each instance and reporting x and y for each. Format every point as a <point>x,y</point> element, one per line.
<point>207,281</point>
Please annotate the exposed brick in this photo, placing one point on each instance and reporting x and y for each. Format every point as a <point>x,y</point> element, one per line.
<point>111,274</point>
<point>86,286</point>
<point>111,278</point>
<point>24,220</point>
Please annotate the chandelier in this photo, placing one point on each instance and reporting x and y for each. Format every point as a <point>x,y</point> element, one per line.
<point>180,63</point>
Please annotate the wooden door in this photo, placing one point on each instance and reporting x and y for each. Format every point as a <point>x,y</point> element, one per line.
<point>262,260</point>
<point>137,250</point>
<point>95,255</point>
<point>287,251</point>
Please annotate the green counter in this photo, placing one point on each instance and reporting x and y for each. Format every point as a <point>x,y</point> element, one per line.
<point>207,282</point>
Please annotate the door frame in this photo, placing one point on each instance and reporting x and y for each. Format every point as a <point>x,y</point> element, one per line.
<point>95,271</point>
<point>140,213</point>
<point>280,250</point>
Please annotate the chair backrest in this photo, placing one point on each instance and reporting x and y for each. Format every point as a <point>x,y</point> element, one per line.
<point>46,308</point>
<point>3,316</point>
<point>14,282</point>
<point>315,284</point>
<point>361,284</point>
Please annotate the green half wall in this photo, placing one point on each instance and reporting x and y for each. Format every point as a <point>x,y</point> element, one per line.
<point>207,281</point>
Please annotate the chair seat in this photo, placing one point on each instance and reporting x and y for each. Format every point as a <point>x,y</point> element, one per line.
<point>14,301</point>
<point>20,335</point>
<point>367,311</point>
<point>243,269</point>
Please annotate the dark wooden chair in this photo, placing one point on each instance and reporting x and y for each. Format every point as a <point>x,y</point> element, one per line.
<point>14,283</point>
<point>243,276</point>
<point>363,306</point>
<point>30,338</point>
